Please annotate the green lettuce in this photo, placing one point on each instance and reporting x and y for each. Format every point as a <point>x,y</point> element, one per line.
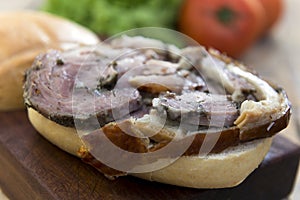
<point>109,17</point>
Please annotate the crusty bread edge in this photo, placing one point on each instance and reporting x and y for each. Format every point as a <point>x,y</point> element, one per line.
<point>223,170</point>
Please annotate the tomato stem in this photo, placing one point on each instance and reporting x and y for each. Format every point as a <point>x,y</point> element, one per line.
<point>226,15</point>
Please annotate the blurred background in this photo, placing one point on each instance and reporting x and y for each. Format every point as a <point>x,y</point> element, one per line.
<point>263,34</point>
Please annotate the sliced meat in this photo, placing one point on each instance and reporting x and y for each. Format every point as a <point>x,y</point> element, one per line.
<point>160,76</point>
<point>123,65</point>
<point>214,68</point>
<point>191,57</point>
<point>197,108</point>
<point>162,83</point>
<point>137,42</point>
<point>165,51</point>
<point>158,83</point>
<point>133,59</point>
<point>107,106</point>
<point>159,67</point>
<point>62,87</point>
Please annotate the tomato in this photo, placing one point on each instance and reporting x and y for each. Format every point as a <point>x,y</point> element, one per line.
<point>273,10</point>
<point>230,26</point>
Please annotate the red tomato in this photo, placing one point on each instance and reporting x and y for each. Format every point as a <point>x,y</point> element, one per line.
<point>273,10</point>
<point>230,26</point>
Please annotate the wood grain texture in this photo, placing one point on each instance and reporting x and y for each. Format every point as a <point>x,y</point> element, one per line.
<point>32,168</point>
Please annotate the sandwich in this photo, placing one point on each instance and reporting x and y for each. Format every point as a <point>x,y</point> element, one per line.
<point>138,106</point>
<point>24,35</point>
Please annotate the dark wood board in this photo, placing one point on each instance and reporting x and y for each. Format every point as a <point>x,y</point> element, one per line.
<point>33,168</point>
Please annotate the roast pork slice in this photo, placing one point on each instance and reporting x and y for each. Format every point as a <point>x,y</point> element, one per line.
<point>157,76</point>
<point>197,108</point>
<point>65,88</point>
<point>214,71</point>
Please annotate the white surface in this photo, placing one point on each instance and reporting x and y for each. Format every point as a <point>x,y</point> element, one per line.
<point>19,4</point>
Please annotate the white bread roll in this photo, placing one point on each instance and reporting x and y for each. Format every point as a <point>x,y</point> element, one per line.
<point>221,170</point>
<point>226,169</point>
<point>24,35</point>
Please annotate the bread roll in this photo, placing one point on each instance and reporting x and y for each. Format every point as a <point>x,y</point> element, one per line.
<point>25,34</point>
<point>221,170</point>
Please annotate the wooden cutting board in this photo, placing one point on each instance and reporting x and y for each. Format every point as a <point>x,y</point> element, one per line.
<point>32,168</point>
